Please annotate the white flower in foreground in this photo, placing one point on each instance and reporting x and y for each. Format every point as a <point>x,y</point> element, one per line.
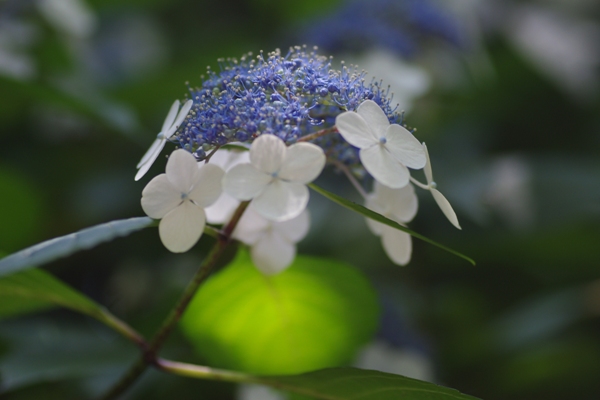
<point>439,198</point>
<point>385,149</point>
<point>168,129</point>
<point>225,206</point>
<point>276,177</point>
<point>399,205</point>
<point>272,244</point>
<point>178,199</point>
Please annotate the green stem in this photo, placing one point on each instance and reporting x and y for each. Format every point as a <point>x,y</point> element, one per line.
<point>149,356</point>
<point>202,372</point>
<point>121,327</point>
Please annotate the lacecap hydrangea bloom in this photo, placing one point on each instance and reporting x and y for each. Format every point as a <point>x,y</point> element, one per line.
<point>295,114</point>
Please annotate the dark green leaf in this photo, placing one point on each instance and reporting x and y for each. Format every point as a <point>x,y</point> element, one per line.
<point>380,218</point>
<point>357,384</point>
<point>66,245</point>
<point>35,289</point>
<point>244,320</point>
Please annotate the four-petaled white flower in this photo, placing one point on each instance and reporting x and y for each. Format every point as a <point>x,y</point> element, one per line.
<point>168,129</point>
<point>178,198</point>
<point>276,177</point>
<point>439,198</point>
<point>224,207</point>
<point>399,205</point>
<point>272,244</point>
<point>385,149</point>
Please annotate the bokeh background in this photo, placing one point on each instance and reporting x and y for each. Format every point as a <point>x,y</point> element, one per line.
<point>504,93</point>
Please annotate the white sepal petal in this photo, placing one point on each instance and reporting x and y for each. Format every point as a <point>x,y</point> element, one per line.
<point>405,147</point>
<point>251,227</point>
<point>428,173</point>
<point>303,163</point>
<point>374,117</point>
<point>372,204</point>
<point>149,153</point>
<point>170,117</point>
<point>182,227</point>
<point>221,210</point>
<point>272,254</point>
<point>244,181</point>
<point>355,130</point>
<point>151,158</point>
<point>445,207</point>
<point>281,201</point>
<point>384,167</point>
<point>207,185</point>
<point>159,197</point>
<point>181,170</point>
<point>397,245</point>
<point>295,229</point>
<point>399,204</point>
<point>267,153</point>
<point>187,106</point>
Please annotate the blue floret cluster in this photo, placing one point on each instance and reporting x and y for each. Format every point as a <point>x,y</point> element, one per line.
<point>289,96</point>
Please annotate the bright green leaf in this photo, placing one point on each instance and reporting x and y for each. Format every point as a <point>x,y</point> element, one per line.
<point>35,289</point>
<point>63,246</point>
<point>357,384</point>
<point>315,314</point>
<point>380,218</point>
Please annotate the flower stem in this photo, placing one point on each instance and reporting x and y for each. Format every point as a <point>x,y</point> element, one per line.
<point>149,356</point>
<point>317,134</point>
<point>202,372</point>
<point>342,167</point>
<point>419,184</point>
<point>212,153</point>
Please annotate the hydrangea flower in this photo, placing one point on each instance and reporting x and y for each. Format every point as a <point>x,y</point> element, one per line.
<point>276,177</point>
<point>439,198</point>
<point>172,122</point>
<point>273,244</point>
<point>399,205</point>
<point>288,95</point>
<point>385,149</point>
<point>222,209</point>
<point>178,199</point>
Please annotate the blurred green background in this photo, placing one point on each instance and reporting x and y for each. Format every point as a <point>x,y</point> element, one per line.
<point>509,108</point>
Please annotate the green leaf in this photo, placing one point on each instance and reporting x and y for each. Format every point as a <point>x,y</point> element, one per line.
<point>315,314</point>
<point>357,384</point>
<point>329,384</point>
<point>43,350</point>
<point>35,289</point>
<point>380,218</point>
<point>63,246</point>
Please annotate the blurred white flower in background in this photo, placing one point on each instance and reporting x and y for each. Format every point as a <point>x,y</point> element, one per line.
<point>407,81</point>
<point>72,17</point>
<point>258,392</point>
<point>565,48</point>
<point>510,192</point>
<point>383,357</point>
<point>16,37</point>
